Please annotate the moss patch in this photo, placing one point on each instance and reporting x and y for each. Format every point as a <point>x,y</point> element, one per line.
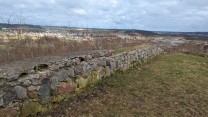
<point>31,109</point>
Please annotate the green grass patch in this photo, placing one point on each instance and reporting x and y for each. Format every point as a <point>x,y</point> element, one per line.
<point>169,85</point>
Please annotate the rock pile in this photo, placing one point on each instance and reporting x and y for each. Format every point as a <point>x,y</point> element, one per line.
<point>37,89</point>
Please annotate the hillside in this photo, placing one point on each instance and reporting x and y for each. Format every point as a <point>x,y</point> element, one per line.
<point>163,87</point>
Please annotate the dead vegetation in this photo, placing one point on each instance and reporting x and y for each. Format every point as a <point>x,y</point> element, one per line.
<point>191,47</point>
<point>47,46</point>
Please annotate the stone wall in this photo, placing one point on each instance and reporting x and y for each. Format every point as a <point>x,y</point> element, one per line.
<point>44,85</point>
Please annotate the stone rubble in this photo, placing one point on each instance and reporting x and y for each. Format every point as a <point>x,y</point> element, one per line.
<point>45,83</point>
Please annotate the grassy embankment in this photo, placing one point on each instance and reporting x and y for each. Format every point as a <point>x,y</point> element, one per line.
<point>169,85</point>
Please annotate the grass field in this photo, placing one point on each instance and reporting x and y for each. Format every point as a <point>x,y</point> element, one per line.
<point>169,85</point>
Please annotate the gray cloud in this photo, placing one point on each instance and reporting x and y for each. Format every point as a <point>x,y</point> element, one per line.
<point>175,15</point>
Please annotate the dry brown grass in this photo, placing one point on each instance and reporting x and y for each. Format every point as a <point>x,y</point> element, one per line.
<point>191,47</point>
<point>47,46</point>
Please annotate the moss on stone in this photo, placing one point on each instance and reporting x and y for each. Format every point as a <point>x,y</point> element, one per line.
<point>82,82</point>
<point>58,98</point>
<point>31,109</point>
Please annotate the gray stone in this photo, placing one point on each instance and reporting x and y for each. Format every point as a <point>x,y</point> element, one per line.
<point>21,92</point>
<point>33,88</point>
<point>111,64</point>
<point>9,97</point>
<point>78,70</point>
<point>54,67</point>
<point>101,63</point>
<point>88,57</point>
<point>63,75</point>
<point>86,68</point>
<point>93,66</point>
<point>45,74</point>
<point>36,81</point>
<point>96,55</point>
<point>76,61</point>
<point>2,81</point>
<point>27,83</point>
<point>69,63</point>
<point>71,72</point>
<point>1,98</point>
<point>33,76</point>
<point>54,82</point>
<point>23,79</point>
<point>13,77</point>
<point>13,83</point>
<point>44,91</point>
<point>102,54</point>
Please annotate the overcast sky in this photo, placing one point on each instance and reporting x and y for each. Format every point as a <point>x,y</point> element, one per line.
<point>158,15</point>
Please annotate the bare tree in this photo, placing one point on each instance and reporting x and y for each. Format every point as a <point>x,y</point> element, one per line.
<point>20,20</point>
<point>8,20</point>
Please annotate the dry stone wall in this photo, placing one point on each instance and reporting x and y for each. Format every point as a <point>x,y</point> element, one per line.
<point>45,85</point>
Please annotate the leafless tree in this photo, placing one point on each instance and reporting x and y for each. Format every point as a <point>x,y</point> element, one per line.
<point>7,19</point>
<point>20,20</point>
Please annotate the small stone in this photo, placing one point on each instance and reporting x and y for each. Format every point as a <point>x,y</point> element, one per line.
<point>107,71</point>
<point>81,82</point>
<point>86,68</point>
<point>88,57</point>
<point>69,63</point>
<point>36,81</point>
<point>8,112</point>
<point>13,77</point>
<point>27,83</point>
<point>34,76</point>
<point>13,83</point>
<point>101,63</point>
<point>1,98</point>
<point>2,81</point>
<point>9,97</point>
<point>44,91</point>
<point>32,95</point>
<point>63,75</point>
<point>45,74</point>
<point>111,64</point>
<point>54,82</point>
<point>21,92</point>
<point>101,73</point>
<point>78,70</point>
<point>71,72</point>
<point>54,67</point>
<point>93,66</point>
<point>33,88</point>
<point>65,88</point>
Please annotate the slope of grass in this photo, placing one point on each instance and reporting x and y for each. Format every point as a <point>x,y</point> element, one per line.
<point>169,85</point>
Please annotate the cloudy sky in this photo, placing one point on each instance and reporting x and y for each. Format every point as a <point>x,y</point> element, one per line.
<point>158,15</point>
